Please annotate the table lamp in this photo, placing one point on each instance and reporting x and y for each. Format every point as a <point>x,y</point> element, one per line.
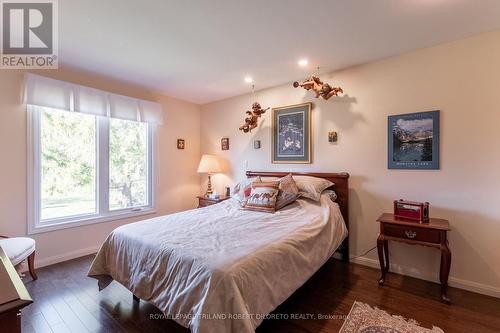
<point>209,164</point>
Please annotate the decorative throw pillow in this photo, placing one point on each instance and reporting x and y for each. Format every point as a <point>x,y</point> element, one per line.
<point>331,194</point>
<point>263,197</point>
<point>241,191</point>
<point>312,187</point>
<point>289,192</point>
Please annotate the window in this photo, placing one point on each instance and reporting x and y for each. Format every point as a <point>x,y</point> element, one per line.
<point>90,154</point>
<point>68,162</point>
<point>128,164</point>
<point>87,169</point>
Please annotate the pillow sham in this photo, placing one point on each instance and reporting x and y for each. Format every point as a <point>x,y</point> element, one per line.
<point>241,191</point>
<point>331,194</point>
<point>288,192</point>
<point>311,187</point>
<point>262,197</point>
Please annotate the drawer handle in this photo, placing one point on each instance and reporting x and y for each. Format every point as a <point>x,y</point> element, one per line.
<point>410,234</point>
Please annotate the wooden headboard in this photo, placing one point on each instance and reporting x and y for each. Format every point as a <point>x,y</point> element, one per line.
<point>341,187</point>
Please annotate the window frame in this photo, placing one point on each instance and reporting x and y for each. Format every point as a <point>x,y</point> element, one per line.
<point>103,213</point>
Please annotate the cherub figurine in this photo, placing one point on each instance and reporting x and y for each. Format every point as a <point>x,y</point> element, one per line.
<point>254,115</point>
<point>321,89</point>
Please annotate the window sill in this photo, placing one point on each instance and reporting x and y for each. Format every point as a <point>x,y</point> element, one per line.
<point>47,227</point>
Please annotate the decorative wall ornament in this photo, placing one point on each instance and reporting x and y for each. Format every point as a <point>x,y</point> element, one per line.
<point>292,134</point>
<point>224,143</point>
<point>256,144</point>
<point>181,144</point>
<point>413,141</point>
<point>251,121</point>
<point>332,137</point>
<point>319,87</point>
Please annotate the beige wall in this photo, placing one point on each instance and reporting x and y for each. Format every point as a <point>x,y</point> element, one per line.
<point>178,180</point>
<point>462,79</point>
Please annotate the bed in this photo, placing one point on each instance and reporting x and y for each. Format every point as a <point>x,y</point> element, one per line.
<point>221,269</point>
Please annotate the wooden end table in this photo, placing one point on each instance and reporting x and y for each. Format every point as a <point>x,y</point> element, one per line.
<point>204,201</point>
<point>432,233</point>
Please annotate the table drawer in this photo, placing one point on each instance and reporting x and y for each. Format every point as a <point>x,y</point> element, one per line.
<point>205,203</point>
<point>417,234</point>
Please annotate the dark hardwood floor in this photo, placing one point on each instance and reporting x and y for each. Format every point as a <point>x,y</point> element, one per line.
<point>65,300</point>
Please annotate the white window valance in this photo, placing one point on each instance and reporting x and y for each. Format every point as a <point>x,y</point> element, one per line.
<point>43,91</point>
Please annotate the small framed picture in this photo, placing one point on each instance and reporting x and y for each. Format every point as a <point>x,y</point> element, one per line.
<point>180,144</point>
<point>332,137</point>
<point>413,141</point>
<point>256,144</point>
<point>224,143</point>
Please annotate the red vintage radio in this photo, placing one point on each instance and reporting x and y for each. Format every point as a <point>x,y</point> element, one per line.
<point>418,211</point>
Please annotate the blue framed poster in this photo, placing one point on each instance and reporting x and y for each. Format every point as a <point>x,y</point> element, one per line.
<point>292,134</point>
<point>413,141</point>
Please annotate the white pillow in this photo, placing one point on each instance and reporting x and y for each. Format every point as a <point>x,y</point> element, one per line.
<point>311,187</point>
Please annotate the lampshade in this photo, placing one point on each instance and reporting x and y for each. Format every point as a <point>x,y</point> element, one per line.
<point>209,164</point>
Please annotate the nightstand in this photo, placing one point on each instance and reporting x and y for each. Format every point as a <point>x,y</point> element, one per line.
<point>432,233</point>
<point>204,201</point>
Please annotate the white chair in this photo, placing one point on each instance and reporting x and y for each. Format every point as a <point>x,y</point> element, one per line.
<point>19,249</point>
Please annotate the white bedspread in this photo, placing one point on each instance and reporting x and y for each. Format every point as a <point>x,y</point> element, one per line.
<point>220,269</point>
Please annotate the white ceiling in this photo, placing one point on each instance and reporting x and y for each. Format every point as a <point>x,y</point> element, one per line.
<point>201,50</point>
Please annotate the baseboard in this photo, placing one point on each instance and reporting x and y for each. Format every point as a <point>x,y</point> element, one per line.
<point>452,281</point>
<point>66,256</point>
<point>475,287</point>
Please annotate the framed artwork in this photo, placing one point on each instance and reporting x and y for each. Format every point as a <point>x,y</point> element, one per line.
<point>413,141</point>
<point>180,144</point>
<point>224,143</point>
<point>292,134</point>
<point>256,144</point>
<point>332,137</point>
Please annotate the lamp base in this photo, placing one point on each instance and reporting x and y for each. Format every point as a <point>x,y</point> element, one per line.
<point>209,188</point>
